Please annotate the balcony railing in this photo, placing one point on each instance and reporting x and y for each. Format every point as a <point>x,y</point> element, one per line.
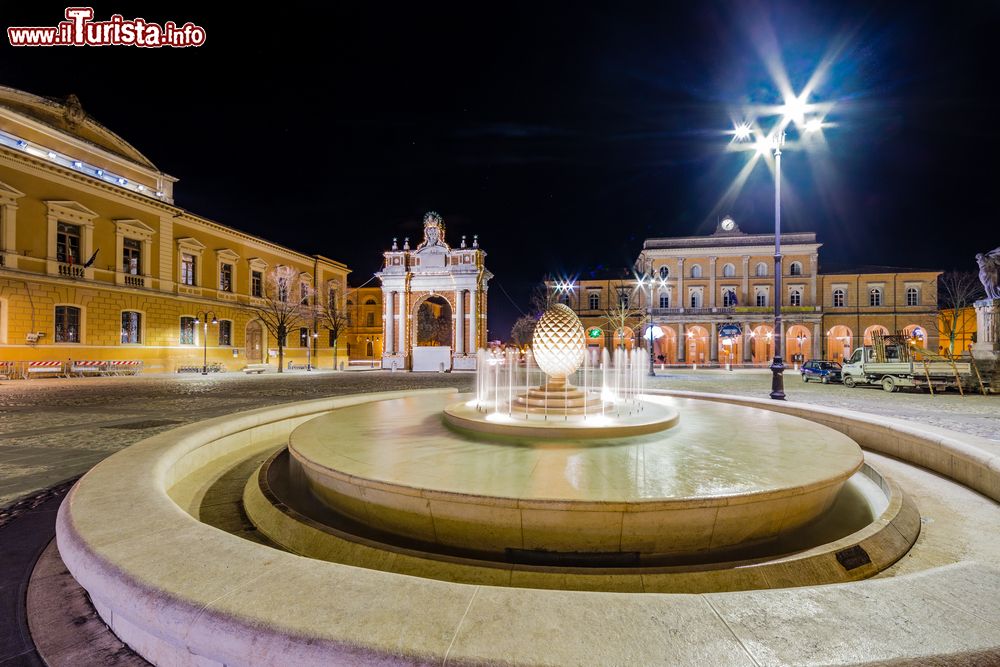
<point>70,270</point>
<point>134,281</point>
<point>693,311</point>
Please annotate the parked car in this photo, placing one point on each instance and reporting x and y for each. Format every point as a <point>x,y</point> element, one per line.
<point>824,371</point>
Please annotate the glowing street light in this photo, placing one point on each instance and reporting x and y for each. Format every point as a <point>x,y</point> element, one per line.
<point>742,131</point>
<point>814,125</point>
<point>649,278</point>
<point>205,317</point>
<point>793,111</point>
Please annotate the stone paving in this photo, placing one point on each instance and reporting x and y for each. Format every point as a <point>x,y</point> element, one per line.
<point>52,430</point>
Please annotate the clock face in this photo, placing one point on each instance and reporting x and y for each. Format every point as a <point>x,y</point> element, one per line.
<point>728,224</point>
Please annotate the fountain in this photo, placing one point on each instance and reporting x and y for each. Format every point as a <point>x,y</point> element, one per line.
<point>558,391</point>
<point>559,458</point>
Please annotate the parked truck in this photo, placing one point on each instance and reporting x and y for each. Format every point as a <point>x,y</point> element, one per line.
<point>892,362</point>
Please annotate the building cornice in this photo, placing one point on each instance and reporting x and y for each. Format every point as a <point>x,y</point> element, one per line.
<point>42,169</point>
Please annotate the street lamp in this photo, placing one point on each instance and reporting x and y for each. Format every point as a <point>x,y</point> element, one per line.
<point>648,277</point>
<point>203,318</point>
<point>793,111</point>
<point>314,335</point>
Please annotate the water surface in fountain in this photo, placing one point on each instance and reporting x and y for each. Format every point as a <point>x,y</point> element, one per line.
<point>728,476</point>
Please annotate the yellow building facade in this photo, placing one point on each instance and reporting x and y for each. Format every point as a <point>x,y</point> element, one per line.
<point>97,263</point>
<point>711,301</point>
<point>364,333</point>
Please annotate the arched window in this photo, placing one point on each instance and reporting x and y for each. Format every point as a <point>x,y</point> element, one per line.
<point>761,269</point>
<point>594,300</point>
<point>664,300</point>
<point>795,298</point>
<point>839,298</point>
<point>728,298</point>
<point>696,271</point>
<point>875,297</point>
<point>664,272</point>
<point>795,269</point>
<point>370,302</point>
<point>728,270</point>
<point>912,296</point>
<point>696,299</point>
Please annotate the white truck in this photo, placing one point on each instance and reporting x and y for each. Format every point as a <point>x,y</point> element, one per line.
<point>895,368</point>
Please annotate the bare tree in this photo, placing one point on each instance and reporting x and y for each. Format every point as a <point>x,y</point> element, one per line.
<point>335,319</point>
<point>621,314</point>
<point>523,330</point>
<point>285,304</point>
<point>957,291</point>
<point>542,298</point>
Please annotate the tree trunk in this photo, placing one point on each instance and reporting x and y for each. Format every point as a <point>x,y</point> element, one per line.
<point>335,354</point>
<point>281,357</point>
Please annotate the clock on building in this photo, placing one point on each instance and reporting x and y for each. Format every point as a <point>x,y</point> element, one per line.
<point>728,224</point>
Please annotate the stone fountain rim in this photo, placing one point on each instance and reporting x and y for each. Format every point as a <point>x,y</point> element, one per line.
<point>177,590</point>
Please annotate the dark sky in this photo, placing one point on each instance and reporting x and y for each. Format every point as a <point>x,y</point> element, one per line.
<point>562,133</point>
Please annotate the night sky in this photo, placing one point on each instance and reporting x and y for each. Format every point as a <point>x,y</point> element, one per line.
<point>562,133</point>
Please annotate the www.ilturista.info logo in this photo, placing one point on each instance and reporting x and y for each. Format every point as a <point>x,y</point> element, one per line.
<point>79,29</point>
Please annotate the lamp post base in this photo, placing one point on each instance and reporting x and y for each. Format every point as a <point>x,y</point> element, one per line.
<point>777,379</point>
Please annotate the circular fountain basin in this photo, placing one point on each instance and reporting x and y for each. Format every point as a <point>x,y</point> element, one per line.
<point>726,477</point>
<point>610,422</point>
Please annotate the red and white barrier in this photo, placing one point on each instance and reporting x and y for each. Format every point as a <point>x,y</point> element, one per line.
<point>126,367</point>
<point>44,367</point>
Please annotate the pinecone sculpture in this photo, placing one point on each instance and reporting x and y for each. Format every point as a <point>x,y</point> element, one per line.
<point>558,343</point>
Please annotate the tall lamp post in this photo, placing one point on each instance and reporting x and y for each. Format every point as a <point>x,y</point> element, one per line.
<point>793,110</point>
<point>649,278</point>
<point>203,318</point>
<point>777,367</point>
<point>312,341</point>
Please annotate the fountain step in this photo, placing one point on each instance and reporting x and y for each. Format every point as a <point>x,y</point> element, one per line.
<point>554,403</point>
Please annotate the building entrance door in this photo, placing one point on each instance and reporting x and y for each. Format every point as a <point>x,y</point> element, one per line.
<point>255,343</point>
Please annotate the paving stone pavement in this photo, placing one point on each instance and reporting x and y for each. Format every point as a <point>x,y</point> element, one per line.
<point>55,429</point>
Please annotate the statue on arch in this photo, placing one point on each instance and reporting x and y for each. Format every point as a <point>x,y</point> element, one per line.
<point>433,231</point>
<point>989,272</point>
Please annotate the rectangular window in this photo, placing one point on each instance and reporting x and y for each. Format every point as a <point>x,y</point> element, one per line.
<point>594,300</point>
<point>225,332</point>
<point>664,301</point>
<point>838,298</point>
<point>875,297</point>
<point>187,269</point>
<point>67,324</point>
<point>257,284</point>
<point>795,298</point>
<point>131,327</point>
<point>68,243</point>
<point>761,299</point>
<point>331,299</point>
<point>912,296</point>
<point>333,338</point>
<point>370,320</point>
<point>226,277</point>
<point>304,293</point>
<point>303,337</point>
<point>283,290</point>
<point>187,331</point>
<point>132,257</point>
